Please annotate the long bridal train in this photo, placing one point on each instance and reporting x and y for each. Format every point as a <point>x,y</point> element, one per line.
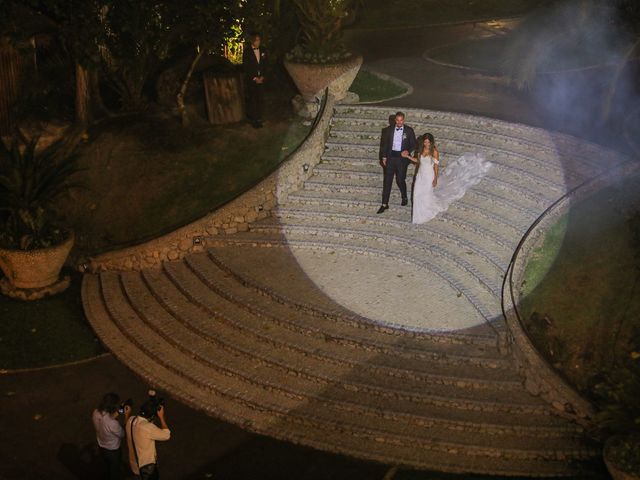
<point>453,182</point>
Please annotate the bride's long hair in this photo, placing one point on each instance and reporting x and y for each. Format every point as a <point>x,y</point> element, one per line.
<point>432,144</point>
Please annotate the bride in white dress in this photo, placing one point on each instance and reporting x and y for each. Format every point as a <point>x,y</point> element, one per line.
<point>459,175</point>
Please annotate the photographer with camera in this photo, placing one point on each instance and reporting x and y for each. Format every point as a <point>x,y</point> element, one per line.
<point>142,435</point>
<point>109,432</point>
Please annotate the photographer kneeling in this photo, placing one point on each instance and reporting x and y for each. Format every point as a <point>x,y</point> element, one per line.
<point>142,434</point>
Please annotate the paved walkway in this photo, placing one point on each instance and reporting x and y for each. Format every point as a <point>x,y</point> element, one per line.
<point>442,88</point>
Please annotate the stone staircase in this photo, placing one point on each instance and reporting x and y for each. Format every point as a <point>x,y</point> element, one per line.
<point>276,329</point>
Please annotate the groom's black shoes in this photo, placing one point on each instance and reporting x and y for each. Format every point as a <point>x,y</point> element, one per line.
<point>405,202</point>
<point>382,208</point>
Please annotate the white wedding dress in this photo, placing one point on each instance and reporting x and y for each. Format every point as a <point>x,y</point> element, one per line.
<point>453,181</point>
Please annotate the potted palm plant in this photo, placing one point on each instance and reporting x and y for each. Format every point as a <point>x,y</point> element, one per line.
<point>320,59</point>
<point>33,246</point>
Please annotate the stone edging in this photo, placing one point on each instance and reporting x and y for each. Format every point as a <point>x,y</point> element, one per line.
<point>73,363</point>
<point>495,74</point>
<point>540,378</point>
<point>235,216</point>
<point>396,81</point>
<point>453,23</point>
<point>427,57</point>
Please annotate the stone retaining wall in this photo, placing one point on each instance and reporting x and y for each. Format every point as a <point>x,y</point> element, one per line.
<point>540,378</point>
<point>233,217</point>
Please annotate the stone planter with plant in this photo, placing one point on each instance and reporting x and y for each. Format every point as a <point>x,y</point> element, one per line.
<point>33,245</point>
<point>320,59</point>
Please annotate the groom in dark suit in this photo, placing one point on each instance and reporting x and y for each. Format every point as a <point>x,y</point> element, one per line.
<point>396,139</point>
<point>253,63</point>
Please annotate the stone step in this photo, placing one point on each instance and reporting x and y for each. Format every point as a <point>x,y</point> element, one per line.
<point>565,145</point>
<point>462,279</point>
<point>363,171</point>
<point>481,199</point>
<point>399,222</point>
<point>296,418</point>
<point>295,373</point>
<point>452,140</point>
<point>298,331</point>
<point>408,241</point>
<point>249,367</point>
<point>455,220</point>
<point>535,164</point>
<point>346,325</point>
<point>554,174</point>
<point>194,304</point>
<point>454,149</point>
<point>312,366</point>
<point>504,214</point>
<point>493,180</point>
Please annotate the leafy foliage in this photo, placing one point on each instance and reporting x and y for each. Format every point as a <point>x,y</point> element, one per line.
<point>321,27</point>
<point>30,181</point>
<point>276,20</point>
<point>620,414</point>
<point>618,394</point>
<point>619,391</point>
<point>625,454</point>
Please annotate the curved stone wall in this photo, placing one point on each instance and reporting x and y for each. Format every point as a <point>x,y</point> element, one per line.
<point>235,216</point>
<point>540,378</point>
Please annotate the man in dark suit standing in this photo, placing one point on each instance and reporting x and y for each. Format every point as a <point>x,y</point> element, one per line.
<point>254,63</point>
<point>396,139</point>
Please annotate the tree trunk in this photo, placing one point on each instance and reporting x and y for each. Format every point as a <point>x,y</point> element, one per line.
<point>224,97</point>
<point>97,105</point>
<point>10,69</point>
<point>83,96</point>
<point>183,88</point>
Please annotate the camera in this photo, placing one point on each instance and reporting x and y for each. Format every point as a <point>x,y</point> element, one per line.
<point>150,408</point>
<point>126,403</point>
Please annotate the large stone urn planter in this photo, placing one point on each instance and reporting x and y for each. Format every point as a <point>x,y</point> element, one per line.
<point>33,274</point>
<point>312,78</point>
<point>614,470</point>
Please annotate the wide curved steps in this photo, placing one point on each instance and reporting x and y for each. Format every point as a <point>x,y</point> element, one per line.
<point>245,332</point>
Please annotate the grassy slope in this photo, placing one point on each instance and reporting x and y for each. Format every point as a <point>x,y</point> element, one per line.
<point>371,88</point>
<point>149,175</point>
<point>578,285</point>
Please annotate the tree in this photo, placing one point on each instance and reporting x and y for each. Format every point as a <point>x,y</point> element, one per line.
<point>203,27</point>
<point>136,38</point>
<point>76,25</point>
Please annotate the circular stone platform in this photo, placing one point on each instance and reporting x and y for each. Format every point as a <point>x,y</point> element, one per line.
<point>388,291</point>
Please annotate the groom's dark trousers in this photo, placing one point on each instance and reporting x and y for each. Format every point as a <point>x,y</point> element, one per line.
<point>396,165</point>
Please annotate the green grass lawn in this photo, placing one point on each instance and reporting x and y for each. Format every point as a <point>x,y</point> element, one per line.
<point>398,13</point>
<point>147,175</point>
<point>47,331</point>
<point>579,301</point>
<point>372,88</point>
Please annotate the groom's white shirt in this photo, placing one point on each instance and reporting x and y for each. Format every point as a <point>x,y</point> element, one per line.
<point>397,139</point>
